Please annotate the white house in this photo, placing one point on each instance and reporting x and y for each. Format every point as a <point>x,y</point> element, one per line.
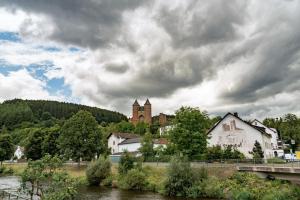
<point>232,130</point>
<point>19,152</point>
<point>277,149</point>
<point>133,145</point>
<point>114,139</point>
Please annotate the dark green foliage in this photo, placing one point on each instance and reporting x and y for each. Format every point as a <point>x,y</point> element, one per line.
<point>62,110</point>
<point>188,136</point>
<point>33,146</point>
<point>141,128</point>
<point>126,163</point>
<point>97,171</point>
<point>6,145</point>
<point>179,178</point>
<point>81,138</point>
<point>125,127</point>
<point>50,142</point>
<point>12,114</point>
<point>216,152</point>
<point>288,127</point>
<point>146,148</point>
<point>257,151</point>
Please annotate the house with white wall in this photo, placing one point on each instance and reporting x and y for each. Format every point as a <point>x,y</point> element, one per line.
<point>232,130</point>
<point>275,140</point>
<point>133,145</point>
<point>114,139</point>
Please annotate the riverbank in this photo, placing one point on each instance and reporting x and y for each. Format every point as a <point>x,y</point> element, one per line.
<point>218,183</point>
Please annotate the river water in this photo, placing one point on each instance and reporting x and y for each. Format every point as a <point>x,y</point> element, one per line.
<point>93,193</point>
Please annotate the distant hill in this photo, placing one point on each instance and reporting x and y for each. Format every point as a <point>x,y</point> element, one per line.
<point>18,110</point>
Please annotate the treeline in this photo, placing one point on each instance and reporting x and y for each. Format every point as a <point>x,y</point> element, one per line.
<point>16,111</point>
<point>288,127</point>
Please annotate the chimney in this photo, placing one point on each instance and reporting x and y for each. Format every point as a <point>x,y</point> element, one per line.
<point>236,114</point>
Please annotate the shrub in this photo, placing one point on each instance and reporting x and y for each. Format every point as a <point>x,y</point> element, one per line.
<point>135,179</point>
<point>199,174</point>
<point>98,171</point>
<point>6,171</point>
<point>126,163</point>
<point>242,194</point>
<point>213,188</point>
<point>179,178</point>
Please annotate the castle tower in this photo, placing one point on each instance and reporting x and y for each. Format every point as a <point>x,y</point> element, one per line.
<point>135,112</point>
<point>148,112</point>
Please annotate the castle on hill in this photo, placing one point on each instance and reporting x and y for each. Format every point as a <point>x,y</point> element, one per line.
<point>144,114</point>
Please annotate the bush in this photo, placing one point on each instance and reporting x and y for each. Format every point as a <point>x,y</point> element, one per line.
<point>126,163</point>
<point>242,194</point>
<point>98,171</point>
<point>179,178</point>
<point>6,171</point>
<point>135,179</point>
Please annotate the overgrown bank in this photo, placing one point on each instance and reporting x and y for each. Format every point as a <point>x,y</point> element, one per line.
<point>179,179</point>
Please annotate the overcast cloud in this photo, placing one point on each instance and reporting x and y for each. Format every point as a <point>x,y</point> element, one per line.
<point>221,56</point>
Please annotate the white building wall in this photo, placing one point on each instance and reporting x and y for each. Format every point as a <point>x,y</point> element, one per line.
<point>274,134</point>
<point>113,142</point>
<point>233,131</point>
<point>132,147</point>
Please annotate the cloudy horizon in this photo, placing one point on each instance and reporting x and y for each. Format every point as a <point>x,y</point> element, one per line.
<point>221,56</point>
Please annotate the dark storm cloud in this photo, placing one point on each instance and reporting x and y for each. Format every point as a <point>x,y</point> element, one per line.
<point>203,22</point>
<point>88,23</point>
<point>276,67</point>
<point>116,68</point>
<point>197,39</point>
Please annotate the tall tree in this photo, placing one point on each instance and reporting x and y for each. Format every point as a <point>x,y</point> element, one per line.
<point>141,128</point>
<point>257,151</point>
<point>50,142</point>
<point>6,146</point>
<point>188,136</point>
<point>147,146</point>
<point>33,147</point>
<point>80,137</point>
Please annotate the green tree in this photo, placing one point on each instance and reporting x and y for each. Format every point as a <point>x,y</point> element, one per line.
<point>33,147</point>
<point>147,147</point>
<point>257,151</point>
<point>125,127</point>
<point>126,163</point>
<point>141,128</point>
<point>6,146</point>
<point>81,138</point>
<point>50,143</point>
<point>189,133</point>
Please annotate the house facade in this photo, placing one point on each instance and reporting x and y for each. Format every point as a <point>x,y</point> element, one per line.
<point>232,130</point>
<point>114,139</point>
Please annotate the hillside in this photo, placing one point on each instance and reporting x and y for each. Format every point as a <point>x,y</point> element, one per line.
<point>17,111</point>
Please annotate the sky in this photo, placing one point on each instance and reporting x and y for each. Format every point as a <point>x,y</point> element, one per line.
<point>221,56</point>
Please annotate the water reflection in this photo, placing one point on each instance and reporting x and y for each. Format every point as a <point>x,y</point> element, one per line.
<point>97,193</point>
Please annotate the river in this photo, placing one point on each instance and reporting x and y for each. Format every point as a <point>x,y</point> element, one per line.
<point>93,193</point>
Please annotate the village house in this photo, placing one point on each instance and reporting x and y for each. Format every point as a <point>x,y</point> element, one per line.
<point>275,140</point>
<point>114,139</point>
<point>119,142</point>
<point>232,130</point>
<point>133,145</point>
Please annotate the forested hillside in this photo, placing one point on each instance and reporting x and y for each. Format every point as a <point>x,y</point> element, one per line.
<point>16,111</point>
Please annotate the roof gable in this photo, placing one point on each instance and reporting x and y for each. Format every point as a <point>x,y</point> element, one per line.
<point>260,129</point>
<point>123,135</point>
